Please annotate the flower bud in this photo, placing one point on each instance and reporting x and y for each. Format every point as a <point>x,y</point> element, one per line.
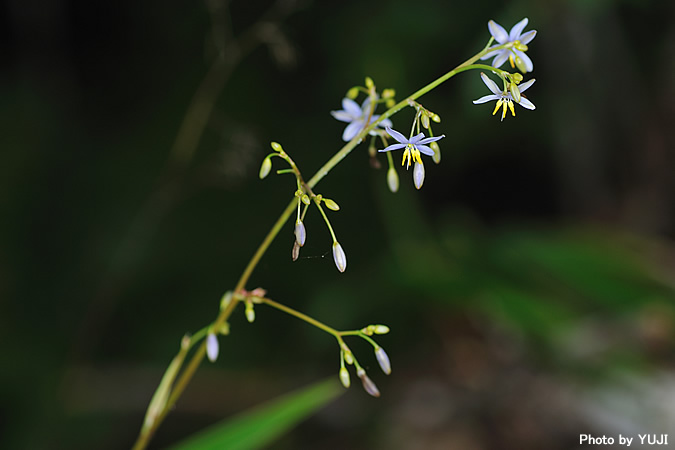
<point>392,179</point>
<point>517,77</point>
<point>379,329</point>
<point>344,377</point>
<point>437,152</point>
<point>305,199</point>
<point>418,175</point>
<point>353,93</point>
<point>212,347</point>
<point>349,358</point>
<point>339,257</point>
<point>425,120</point>
<point>265,168</point>
<point>300,233</point>
<point>225,300</point>
<point>276,147</point>
<point>388,93</point>
<point>515,92</point>
<point>369,83</point>
<point>295,253</point>
<point>383,360</point>
<point>330,204</point>
<point>520,46</point>
<point>368,384</point>
<point>520,64</point>
<point>250,313</point>
<point>435,117</point>
<point>224,328</point>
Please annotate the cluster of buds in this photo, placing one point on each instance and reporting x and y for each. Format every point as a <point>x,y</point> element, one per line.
<point>347,358</point>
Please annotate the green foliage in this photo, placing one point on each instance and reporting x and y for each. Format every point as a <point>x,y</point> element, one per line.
<point>260,426</point>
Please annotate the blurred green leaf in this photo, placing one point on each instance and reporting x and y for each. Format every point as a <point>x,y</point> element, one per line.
<point>261,425</point>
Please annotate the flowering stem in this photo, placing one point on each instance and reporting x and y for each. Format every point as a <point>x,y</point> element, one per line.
<point>185,377</point>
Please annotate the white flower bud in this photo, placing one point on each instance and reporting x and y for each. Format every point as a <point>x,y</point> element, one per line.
<point>383,360</point>
<point>418,175</point>
<point>344,377</point>
<point>212,347</point>
<point>339,257</point>
<point>300,233</point>
<point>265,168</point>
<point>368,384</point>
<point>392,180</point>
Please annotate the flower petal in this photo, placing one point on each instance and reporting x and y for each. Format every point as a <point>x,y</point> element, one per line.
<point>525,86</point>
<point>426,150</point>
<point>396,135</point>
<point>527,37</point>
<point>490,84</point>
<point>392,147</point>
<point>498,32</point>
<point>525,103</point>
<point>501,58</point>
<point>431,139</point>
<point>351,107</point>
<point>517,29</point>
<point>526,59</point>
<point>490,55</point>
<point>415,139</point>
<point>352,130</point>
<point>487,98</point>
<point>342,116</point>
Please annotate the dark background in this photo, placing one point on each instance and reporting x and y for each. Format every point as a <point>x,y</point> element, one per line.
<point>528,285</point>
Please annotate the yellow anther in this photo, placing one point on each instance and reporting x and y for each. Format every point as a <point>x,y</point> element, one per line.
<point>513,66</point>
<point>513,110</point>
<point>406,154</point>
<point>504,109</point>
<point>499,104</point>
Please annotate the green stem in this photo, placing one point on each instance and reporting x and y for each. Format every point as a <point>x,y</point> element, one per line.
<point>186,375</point>
<point>301,316</point>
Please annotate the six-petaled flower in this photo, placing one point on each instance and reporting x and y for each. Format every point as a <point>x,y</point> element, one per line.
<point>359,117</point>
<point>504,98</point>
<point>413,146</point>
<point>518,46</point>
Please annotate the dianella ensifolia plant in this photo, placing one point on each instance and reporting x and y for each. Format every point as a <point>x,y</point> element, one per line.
<point>363,123</point>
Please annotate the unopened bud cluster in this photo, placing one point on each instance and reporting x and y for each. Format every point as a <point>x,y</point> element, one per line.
<point>346,356</point>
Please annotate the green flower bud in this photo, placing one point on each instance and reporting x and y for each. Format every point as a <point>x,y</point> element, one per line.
<point>379,329</point>
<point>344,377</point>
<point>349,358</point>
<point>425,120</point>
<point>435,117</point>
<point>225,300</point>
<point>520,64</point>
<point>305,199</point>
<point>390,102</point>
<point>392,180</point>
<point>265,168</point>
<point>276,147</point>
<point>250,313</point>
<point>330,204</point>
<point>515,92</point>
<point>517,77</point>
<point>353,93</point>
<point>224,329</point>
<point>437,152</point>
<point>388,93</point>
<point>369,83</point>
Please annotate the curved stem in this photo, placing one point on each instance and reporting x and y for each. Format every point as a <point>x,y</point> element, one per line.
<point>198,356</point>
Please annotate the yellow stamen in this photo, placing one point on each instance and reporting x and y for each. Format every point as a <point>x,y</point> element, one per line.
<point>504,110</point>
<point>416,156</point>
<point>406,154</point>
<point>513,110</point>
<point>499,103</point>
<point>511,61</point>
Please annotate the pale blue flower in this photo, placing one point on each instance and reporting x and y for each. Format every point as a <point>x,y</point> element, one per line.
<point>357,116</point>
<point>504,98</point>
<point>413,146</point>
<point>519,41</point>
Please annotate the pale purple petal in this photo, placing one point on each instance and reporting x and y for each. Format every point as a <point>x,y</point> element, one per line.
<point>490,84</point>
<point>342,116</point>
<point>527,37</point>
<point>396,135</point>
<point>426,150</point>
<point>525,103</point>
<point>351,107</point>
<point>352,130</point>
<point>489,55</point>
<point>501,58</point>
<point>525,86</point>
<point>498,32</point>
<point>393,147</point>
<point>431,139</point>
<point>526,59</point>
<point>487,98</point>
<point>415,139</point>
<point>517,29</point>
